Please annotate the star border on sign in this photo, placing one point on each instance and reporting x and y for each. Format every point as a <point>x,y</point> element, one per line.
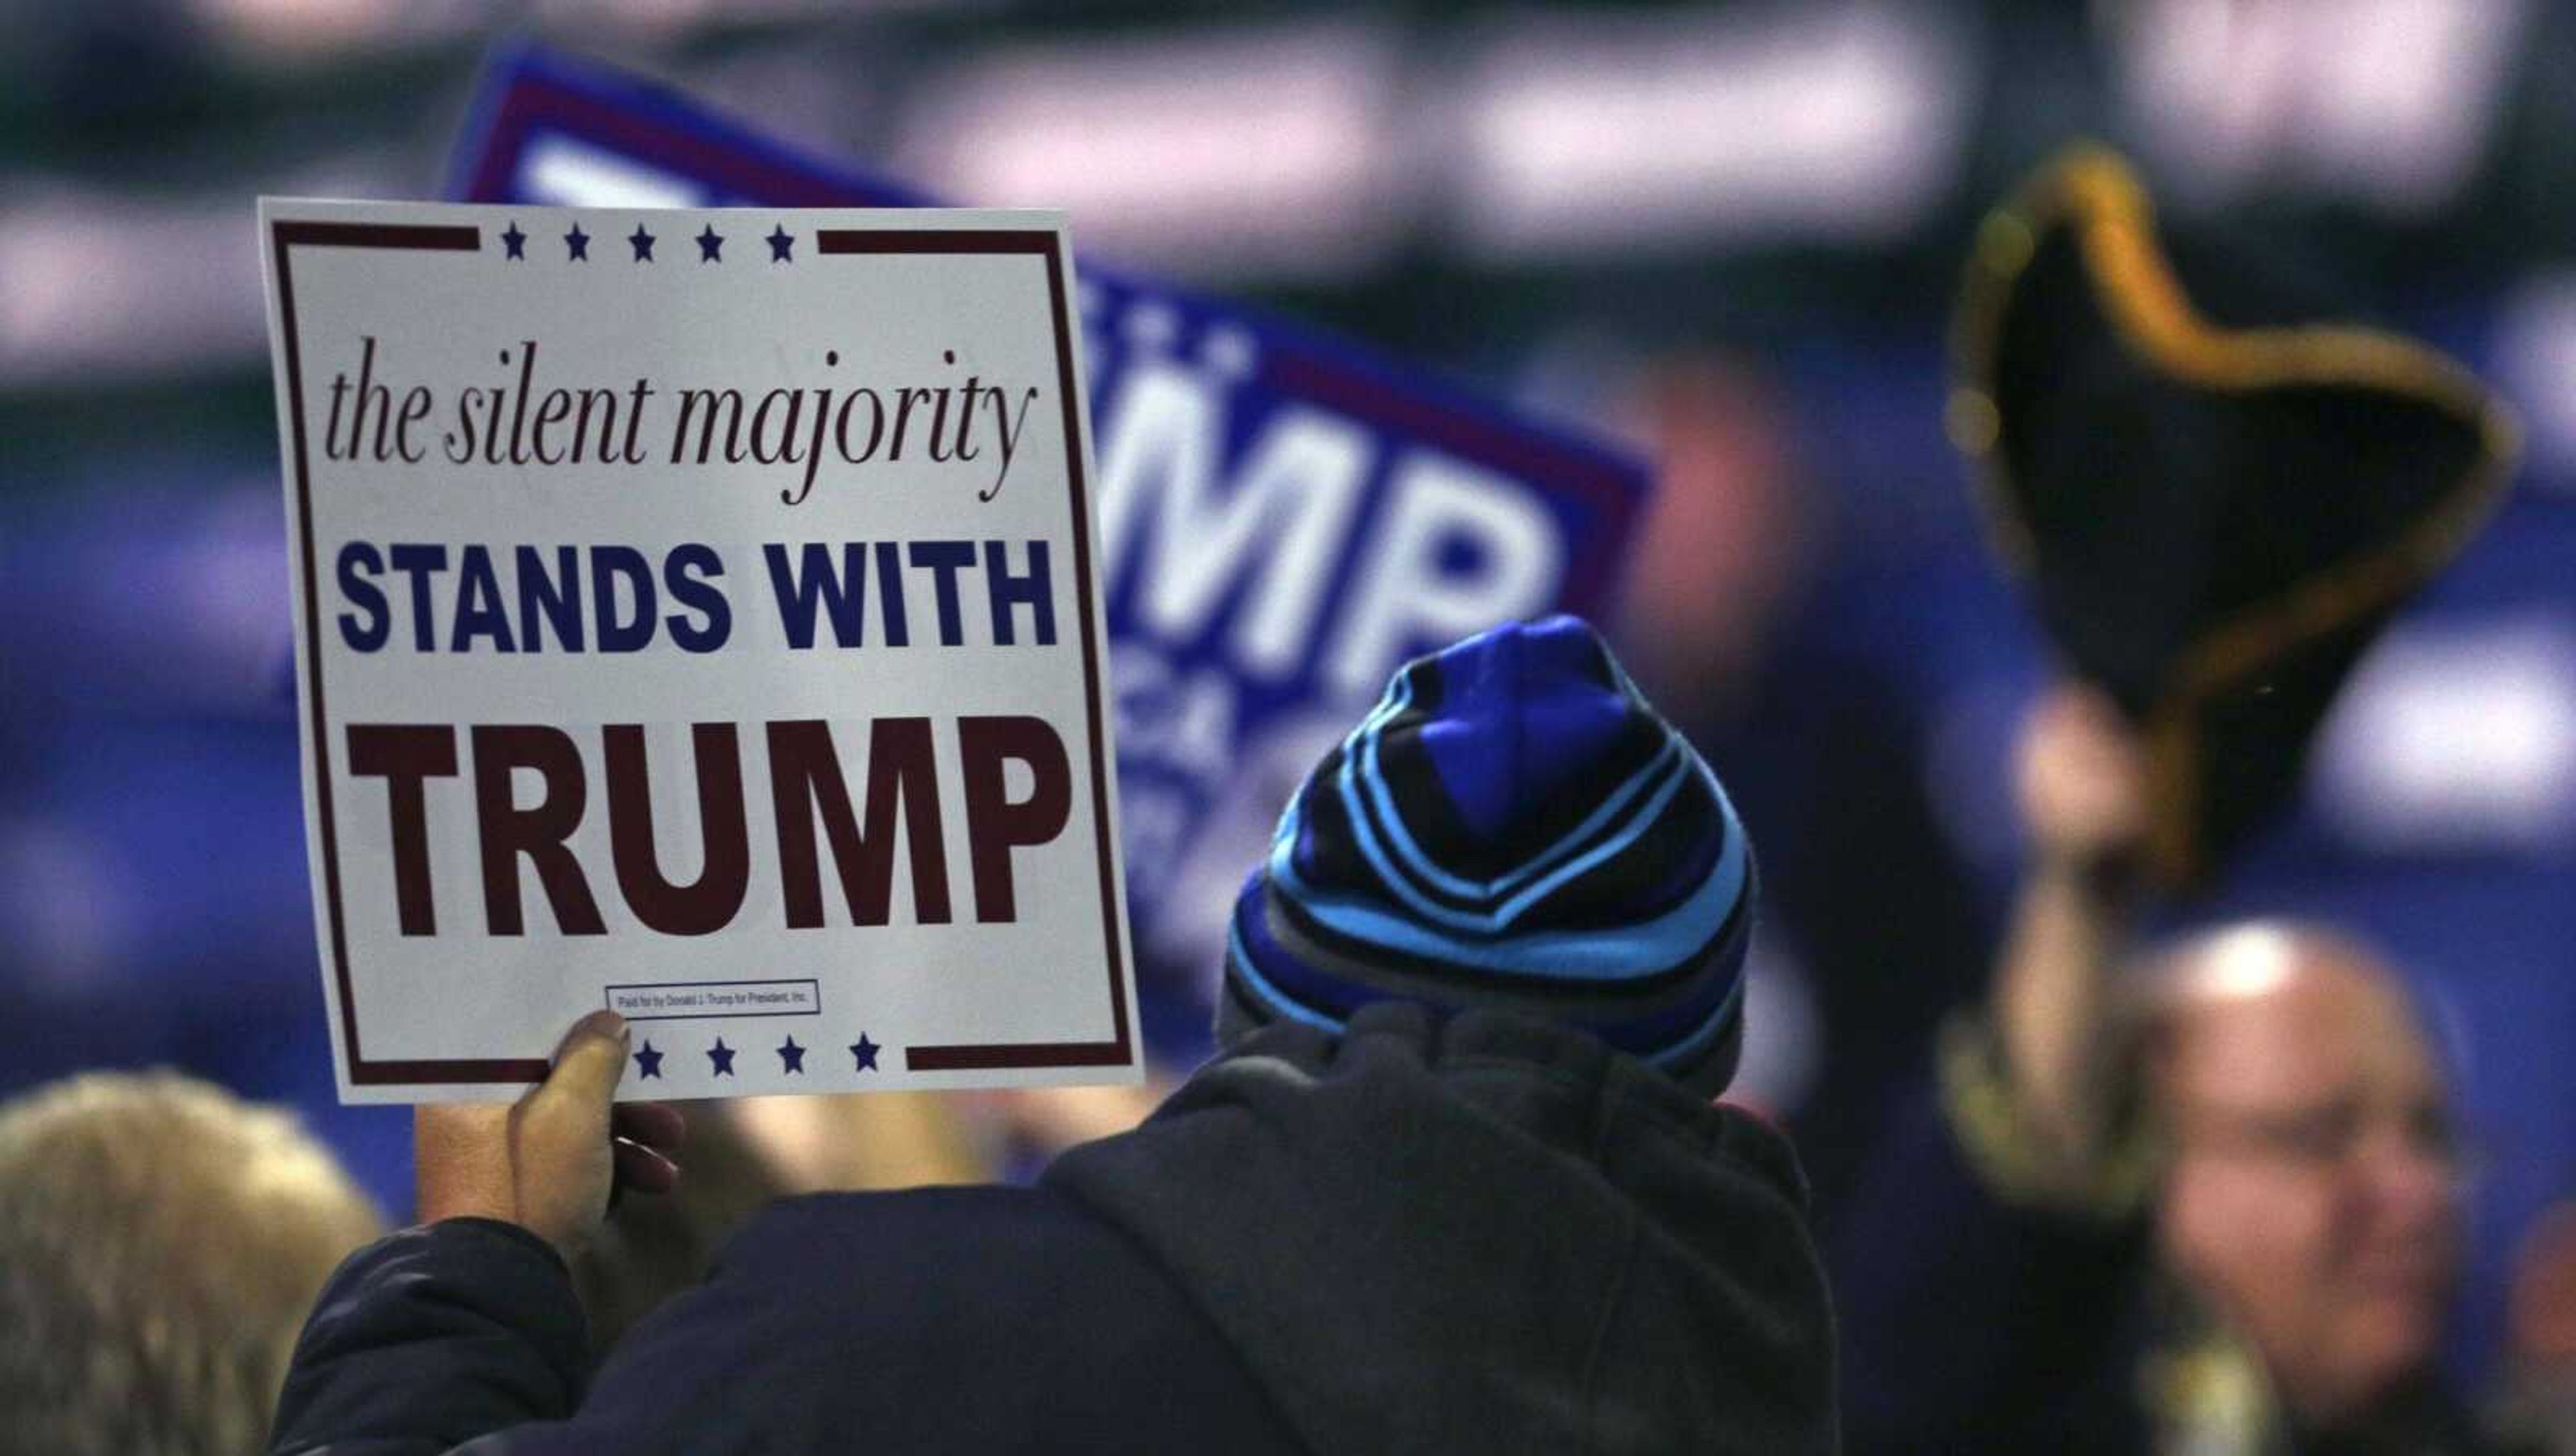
<point>711,245</point>
<point>576,245</point>
<point>722,1056</point>
<point>791,1057</point>
<point>515,242</point>
<point>649,1060</point>
<point>864,1052</point>
<point>642,242</point>
<point>782,244</point>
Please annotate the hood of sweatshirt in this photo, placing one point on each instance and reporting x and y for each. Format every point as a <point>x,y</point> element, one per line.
<point>1482,1232</point>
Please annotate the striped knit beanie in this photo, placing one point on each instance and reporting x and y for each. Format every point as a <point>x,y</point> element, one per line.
<point>1511,828</point>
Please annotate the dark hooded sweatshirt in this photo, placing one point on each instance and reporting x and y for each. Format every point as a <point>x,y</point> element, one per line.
<point>1477,1234</point>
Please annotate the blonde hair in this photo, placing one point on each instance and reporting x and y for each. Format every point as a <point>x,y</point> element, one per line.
<point>160,1244</point>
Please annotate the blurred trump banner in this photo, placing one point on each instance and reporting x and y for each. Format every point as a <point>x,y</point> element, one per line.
<point>1285,518</point>
<point>696,616</point>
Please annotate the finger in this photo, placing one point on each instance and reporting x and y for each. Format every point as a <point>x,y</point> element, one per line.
<point>642,1169</point>
<point>591,1061</point>
<point>574,1100</point>
<point>656,1125</point>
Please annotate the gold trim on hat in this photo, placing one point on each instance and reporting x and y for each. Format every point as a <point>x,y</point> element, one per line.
<point>2093,190</point>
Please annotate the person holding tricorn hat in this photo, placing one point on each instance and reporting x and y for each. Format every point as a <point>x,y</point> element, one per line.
<point>2211,1202</point>
<point>1456,1183</point>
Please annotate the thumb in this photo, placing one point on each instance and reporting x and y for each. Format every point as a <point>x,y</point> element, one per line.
<point>578,1093</point>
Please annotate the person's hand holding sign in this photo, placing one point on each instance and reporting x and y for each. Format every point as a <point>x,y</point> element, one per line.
<point>548,1161</point>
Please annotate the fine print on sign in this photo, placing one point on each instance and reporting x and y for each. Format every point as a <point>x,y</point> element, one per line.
<point>697,616</point>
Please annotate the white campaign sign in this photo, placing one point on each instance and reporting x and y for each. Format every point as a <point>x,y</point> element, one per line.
<point>697,616</point>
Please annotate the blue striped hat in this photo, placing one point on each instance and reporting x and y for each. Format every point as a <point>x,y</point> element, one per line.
<point>1512,828</point>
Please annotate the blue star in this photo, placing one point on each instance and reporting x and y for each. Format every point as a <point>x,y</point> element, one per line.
<point>780,241</point>
<point>865,1051</point>
<point>711,245</point>
<point>643,242</point>
<point>792,1057</point>
<point>649,1059</point>
<point>576,245</point>
<point>516,241</point>
<point>722,1056</point>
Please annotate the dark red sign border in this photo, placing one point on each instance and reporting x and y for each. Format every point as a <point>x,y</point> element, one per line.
<point>285,235</point>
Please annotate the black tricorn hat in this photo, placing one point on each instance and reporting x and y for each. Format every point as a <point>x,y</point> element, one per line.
<point>2214,520</point>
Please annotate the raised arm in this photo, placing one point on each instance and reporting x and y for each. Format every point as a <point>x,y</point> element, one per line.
<point>2082,796</point>
<point>1992,1255</point>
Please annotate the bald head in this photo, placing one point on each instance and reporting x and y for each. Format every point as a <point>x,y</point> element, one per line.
<point>2276,1005</point>
<point>2311,1192</point>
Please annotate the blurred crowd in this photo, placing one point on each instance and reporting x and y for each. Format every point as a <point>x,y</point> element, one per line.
<point>2284,1160</point>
